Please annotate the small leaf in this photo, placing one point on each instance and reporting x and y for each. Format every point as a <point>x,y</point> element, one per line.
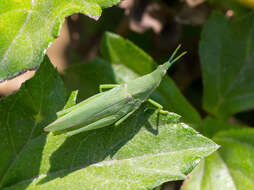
<point>28,28</point>
<point>227,55</point>
<point>231,167</point>
<point>117,50</point>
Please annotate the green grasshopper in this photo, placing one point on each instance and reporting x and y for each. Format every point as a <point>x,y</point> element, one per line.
<point>112,106</point>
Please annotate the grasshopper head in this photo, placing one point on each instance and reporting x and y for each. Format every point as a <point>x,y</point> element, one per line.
<point>142,87</point>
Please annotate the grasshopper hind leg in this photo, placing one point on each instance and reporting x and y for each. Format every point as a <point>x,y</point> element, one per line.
<point>96,125</point>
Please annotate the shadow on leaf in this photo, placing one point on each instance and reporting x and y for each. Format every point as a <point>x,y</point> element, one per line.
<point>95,146</point>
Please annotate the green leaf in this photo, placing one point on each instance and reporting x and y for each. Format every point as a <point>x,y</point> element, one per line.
<point>28,27</point>
<point>23,116</point>
<point>122,52</point>
<point>231,167</point>
<point>227,53</point>
<point>212,173</point>
<point>88,77</point>
<point>142,153</point>
<point>212,126</point>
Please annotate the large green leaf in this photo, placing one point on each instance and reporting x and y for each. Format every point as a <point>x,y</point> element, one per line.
<point>143,152</point>
<point>23,116</point>
<point>122,52</point>
<point>227,55</point>
<point>231,167</point>
<point>28,27</point>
